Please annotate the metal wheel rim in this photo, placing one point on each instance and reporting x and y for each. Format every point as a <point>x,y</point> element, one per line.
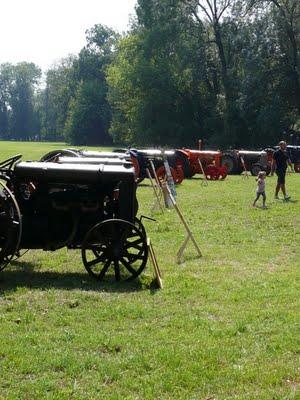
<point>6,259</point>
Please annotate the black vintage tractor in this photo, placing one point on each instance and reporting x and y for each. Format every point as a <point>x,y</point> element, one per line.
<point>91,207</point>
<point>141,160</point>
<point>237,161</point>
<point>294,153</point>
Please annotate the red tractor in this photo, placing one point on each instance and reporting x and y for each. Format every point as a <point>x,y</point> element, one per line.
<point>211,161</point>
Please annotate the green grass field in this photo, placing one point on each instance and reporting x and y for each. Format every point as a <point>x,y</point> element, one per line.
<point>225,326</point>
<point>31,150</point>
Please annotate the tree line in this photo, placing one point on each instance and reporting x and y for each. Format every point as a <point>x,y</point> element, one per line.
<point>226,71</point>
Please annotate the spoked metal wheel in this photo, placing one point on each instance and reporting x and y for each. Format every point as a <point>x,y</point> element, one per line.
<point>10,226</point>
<point>140,226</point>
<point>177,174</point>
<point>297,167</point>
<point>183,162</point>
<point>115,249</point>
<point>255,169</point>
<point>223,172</point>
<point>231,163</point>
<point>136,166</point>
<point>212,173</point>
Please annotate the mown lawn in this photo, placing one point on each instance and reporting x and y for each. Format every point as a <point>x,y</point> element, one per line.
<point>31,150</point>
<point>224,327</point>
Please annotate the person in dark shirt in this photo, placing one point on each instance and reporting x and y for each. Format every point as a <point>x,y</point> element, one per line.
<point>281,161</point>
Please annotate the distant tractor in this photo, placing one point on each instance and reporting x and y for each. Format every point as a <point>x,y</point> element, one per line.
<point>143,158</point>
<point>237,161</point>
<point>191,160</point>
<point>294,153</point>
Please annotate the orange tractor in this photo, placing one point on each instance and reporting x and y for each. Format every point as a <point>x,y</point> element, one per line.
<point>184,163</point>
<point>198,161</point>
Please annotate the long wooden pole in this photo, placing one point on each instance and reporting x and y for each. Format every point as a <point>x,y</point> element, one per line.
<point>244,167</point>
<point>155,264</point>
<point>203,173</point>
<point>154,174</point>
<point>155,191</point>
<point>187,228</point>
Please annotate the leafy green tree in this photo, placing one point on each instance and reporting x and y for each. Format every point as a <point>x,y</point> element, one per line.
<point>160,89</point>
<point>61,84</point>
<point>216,18</point>
<point>266,92</point>
<point>204,68</point>
<point>6,72</point>
<point>25,77</point>
<point>89,112</point>
<point>88,115</point>
<point>285,17</point>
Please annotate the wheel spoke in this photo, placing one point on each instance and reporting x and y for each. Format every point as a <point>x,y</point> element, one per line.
<point>96,247</point>
<point>99,252</point>
<point>128,266</point>
<point>132,234</point>
<point>97,260</point>
<point>133,244</point>
<point>117,270</point>
<point>104,269</point>
<point>125,234</point>
<point>135,257</point>
<point>139,248</point>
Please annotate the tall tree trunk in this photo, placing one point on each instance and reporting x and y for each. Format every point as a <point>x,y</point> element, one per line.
<point>295,63</point>
<point>229,132</point>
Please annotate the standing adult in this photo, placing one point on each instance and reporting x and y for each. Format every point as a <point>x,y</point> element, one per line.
<point>281,161</point>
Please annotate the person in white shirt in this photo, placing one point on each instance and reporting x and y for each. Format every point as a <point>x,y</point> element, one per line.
<point>261,188</point>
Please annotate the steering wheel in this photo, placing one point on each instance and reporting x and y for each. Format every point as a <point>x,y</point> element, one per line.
<point>8,164</point>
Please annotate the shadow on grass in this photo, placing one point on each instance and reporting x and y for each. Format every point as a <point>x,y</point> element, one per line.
<point>195,178</point>
<point>200,178</point>
<point>24,275</point>
<point>147,185</point>
<point>188,257</point>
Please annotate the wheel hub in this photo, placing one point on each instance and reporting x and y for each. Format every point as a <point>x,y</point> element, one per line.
<point>117,250</point>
